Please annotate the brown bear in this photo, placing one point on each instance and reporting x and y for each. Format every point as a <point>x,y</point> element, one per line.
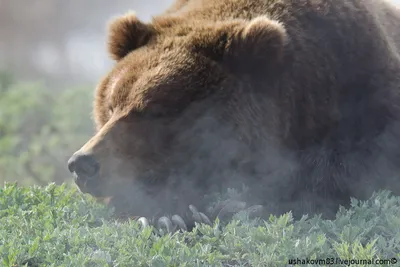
<point>299,100</point>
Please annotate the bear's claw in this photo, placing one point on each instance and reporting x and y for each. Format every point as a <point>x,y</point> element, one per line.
<point>143,222</point>
<point>164,224</point>
<point>255,210</point>
<point>227,207</point>
<point>177,220</point>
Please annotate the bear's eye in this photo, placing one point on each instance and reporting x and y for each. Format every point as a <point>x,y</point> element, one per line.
<point>154,111</point>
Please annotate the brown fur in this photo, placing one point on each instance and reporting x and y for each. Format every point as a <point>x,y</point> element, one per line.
<point>299,98</point>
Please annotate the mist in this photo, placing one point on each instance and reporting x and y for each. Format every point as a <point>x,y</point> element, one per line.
<point>63,44</point>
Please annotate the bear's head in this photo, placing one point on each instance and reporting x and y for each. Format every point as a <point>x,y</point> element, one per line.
<point>173,109</point>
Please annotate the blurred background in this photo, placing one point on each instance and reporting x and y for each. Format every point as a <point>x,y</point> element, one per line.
<point>52,54</point>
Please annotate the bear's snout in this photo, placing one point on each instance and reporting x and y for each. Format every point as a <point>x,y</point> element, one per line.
<point>84,166</point>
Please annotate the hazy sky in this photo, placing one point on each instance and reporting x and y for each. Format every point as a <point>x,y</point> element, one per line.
<point>87,51</point>
<point>85,45</point>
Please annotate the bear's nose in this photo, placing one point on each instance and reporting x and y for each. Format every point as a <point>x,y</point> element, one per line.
<point>85,166</point>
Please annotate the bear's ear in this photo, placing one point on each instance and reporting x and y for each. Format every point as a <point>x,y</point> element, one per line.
<point>243,45</point>
<point>125,34</point>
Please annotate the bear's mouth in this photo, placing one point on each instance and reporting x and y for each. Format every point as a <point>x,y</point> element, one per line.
<point>89,185</point>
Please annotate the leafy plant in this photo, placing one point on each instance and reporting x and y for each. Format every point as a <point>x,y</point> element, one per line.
<point>39,129</point>
<point>58,226</point>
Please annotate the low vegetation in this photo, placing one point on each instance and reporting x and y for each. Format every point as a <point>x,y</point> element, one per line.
<point>40,127</point>
<point>58,226</point>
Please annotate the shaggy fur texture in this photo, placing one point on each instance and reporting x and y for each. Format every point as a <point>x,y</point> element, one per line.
<point>299,100</point>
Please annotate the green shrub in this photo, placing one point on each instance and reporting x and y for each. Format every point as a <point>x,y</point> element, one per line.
<point>57,226</point>
<point>39,129</point>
